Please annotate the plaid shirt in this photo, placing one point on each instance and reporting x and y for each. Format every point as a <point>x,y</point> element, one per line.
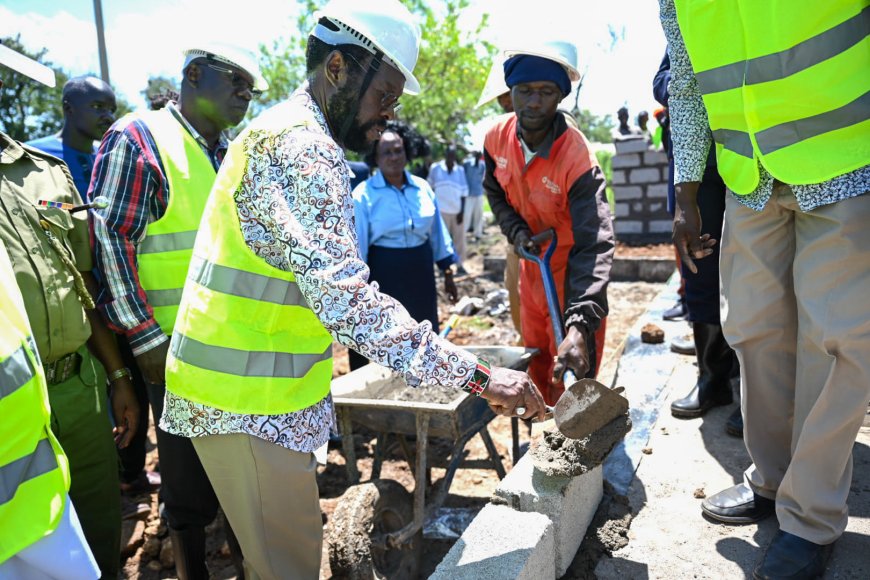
<point>129,174</point>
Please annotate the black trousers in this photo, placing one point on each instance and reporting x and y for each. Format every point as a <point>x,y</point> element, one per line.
<point>187,495</point>
<point>702,289</point>
<point>132,457</point>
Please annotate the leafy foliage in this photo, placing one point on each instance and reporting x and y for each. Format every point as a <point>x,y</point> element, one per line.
<point>159,90</point>
<point>596,128</point>
<point>29,109</point>
<point>452,69</point>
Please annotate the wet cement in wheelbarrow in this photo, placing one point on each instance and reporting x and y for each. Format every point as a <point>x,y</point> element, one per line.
<point>556,455</point>
<point>396,389</point>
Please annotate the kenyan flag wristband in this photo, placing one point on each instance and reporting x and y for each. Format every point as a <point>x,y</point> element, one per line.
<point>480,379</point>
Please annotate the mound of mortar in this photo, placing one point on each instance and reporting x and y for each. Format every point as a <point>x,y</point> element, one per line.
<point>554,454</point>
<point>395,388</point>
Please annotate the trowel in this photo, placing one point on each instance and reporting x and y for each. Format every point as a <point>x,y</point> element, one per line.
<point>586,405</point>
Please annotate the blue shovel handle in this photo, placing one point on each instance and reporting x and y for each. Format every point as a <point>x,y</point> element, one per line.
<point>549,287</point>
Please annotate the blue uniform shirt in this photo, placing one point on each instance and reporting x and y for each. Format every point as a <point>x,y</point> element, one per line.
<point>390,217</point>
<point>80,164</point>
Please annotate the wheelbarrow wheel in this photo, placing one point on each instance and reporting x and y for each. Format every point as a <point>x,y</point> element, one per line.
<point>362,517</point>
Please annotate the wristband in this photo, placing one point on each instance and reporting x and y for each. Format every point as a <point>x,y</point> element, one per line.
<point>119,374</point>
<point>480,379</point>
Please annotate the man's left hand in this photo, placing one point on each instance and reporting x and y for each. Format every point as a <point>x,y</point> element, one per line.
<point>450,287</point>
<point>572,354</point>
<point>125,409</point>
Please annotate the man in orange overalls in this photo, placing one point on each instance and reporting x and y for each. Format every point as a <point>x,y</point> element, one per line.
<point>540,174</point>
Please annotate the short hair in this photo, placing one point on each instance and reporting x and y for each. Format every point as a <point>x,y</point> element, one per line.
<point>414,143</point>
<point>77,86</point>
<point>318,50</point>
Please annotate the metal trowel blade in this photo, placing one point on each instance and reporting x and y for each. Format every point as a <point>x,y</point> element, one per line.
<point>586,406</point>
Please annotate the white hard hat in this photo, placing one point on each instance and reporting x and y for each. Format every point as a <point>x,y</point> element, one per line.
<point>383,25</point>
<point>560,51</point>
<point>26,66</point>
<point>495,84</point>
<point>231,54</point>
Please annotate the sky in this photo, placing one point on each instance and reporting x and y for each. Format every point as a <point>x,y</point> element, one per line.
<point>620,42</point>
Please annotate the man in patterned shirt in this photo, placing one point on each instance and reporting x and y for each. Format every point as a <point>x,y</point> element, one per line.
<point>787,105</point>
<point>276,277</point>
<point>156,169</point>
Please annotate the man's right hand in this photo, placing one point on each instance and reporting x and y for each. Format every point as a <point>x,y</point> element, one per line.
<point>152,363</point>
<point>687,227</point>
<point>523,240</point>
<point>510,389</point>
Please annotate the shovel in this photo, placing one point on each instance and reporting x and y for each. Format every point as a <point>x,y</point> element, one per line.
<point>586,405</point>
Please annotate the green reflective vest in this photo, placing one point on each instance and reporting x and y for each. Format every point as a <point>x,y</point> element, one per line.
<point>785,82</point>
<point>164,254</point>
<point>34,473</point>
<point>245,340</point>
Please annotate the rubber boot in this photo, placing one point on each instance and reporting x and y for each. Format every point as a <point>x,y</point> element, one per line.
<point>715,360</point>
<point>188,546</point>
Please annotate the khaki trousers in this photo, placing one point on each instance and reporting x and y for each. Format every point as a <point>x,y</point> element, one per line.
<point>457,234</point>
<point>796,288</point>
<point>269,495</point>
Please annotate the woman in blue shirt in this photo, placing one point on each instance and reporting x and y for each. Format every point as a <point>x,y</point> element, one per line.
<point>400,230</point>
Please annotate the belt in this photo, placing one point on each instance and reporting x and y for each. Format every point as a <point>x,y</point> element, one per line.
<point>62,369</point>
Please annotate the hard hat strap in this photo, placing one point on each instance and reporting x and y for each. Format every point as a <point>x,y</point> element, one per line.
<point>373,69</point>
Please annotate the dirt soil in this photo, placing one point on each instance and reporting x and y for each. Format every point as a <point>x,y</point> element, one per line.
<point>471,488</point>
<point>664,251</point>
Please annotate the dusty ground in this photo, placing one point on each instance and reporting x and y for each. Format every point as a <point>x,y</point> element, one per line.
<point>149,554</point>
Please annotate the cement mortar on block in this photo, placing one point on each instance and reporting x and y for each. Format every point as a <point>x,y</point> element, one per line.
<point>622,210</point>
<point>502,544</point>
<point>655,158</point>
<point>623,192</point>
<point>657,191</point>
<point>645,175</point>
<point>618,178</point>
<point>569,502</point>
<point>636,145</point>
<point>621,161</point>
<point>628,227</point>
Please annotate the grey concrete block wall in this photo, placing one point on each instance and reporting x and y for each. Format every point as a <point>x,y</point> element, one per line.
<point>640,188</point>
<point>502,544</point>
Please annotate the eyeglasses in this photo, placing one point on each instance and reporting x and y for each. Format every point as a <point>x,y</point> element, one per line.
<point>239,82</point>
<point>389,101</point>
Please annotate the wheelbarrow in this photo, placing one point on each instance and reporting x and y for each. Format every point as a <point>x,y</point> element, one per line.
<point>376,529</point>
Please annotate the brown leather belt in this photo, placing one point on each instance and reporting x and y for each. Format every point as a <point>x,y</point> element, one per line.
<point>62,369</point>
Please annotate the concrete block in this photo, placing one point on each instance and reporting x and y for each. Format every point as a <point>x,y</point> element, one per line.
<point>660,226</point>
<point>657,191</point>
<point>501,544</point>
<point>622,161</point>
<point>637,207</point>
<point>621,192</point>
<point>569,502</point>
<point>645,175</point>
<point>622,210</point>
<point>655,207</point>
<point>618,178</point>
<point>633,144</point>
<point>655,158</point>
<point>628,227</point>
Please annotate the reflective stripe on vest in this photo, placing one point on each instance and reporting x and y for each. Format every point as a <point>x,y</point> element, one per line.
<point>34,475</point>
<point>164,254</point>
<point>785,83</point>
<point>245,340</point>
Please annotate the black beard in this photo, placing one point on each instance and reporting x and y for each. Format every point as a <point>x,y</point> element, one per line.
<point>340,109</point>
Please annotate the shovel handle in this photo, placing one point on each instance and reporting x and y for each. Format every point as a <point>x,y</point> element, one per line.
<point>549,283</point>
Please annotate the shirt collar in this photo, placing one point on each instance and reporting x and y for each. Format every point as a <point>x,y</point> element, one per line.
<point>222,138</point>
<point>543,150</point>
<point>379,182</point>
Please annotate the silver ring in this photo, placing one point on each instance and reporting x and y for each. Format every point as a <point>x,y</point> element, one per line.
<point>520,410</point>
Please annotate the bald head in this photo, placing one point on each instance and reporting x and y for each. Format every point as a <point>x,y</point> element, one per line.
<point>88,109</point>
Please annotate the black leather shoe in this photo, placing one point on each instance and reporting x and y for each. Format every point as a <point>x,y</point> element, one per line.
<point>734,424</point>
<point>793,558</point>
<point>738,505</point>
<point>676,312</point>
<point>683,344</point>
<point>697,402</point>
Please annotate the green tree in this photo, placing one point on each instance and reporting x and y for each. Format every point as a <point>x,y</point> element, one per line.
<point>158,90</point>
<point>452,68</point>
<point>29,109</point>
<point>596,128</point>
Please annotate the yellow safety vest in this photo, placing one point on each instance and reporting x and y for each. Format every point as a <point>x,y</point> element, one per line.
<point>245,340</point>
<point>164,254</point>
<point>34,473</point>
<point>786,83</point>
